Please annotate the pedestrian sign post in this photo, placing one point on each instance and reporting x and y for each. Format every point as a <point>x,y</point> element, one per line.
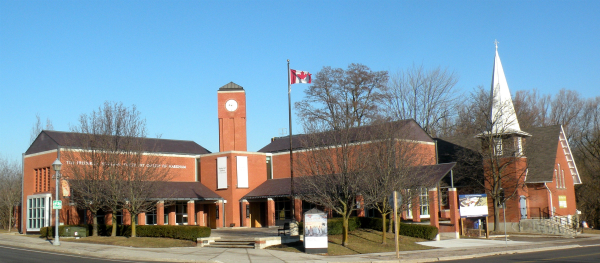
<point>57,204</point>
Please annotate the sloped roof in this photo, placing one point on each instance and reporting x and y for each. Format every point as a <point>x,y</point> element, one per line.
<point>540,150</point>
<point>50,140</point>
<point>271,188</point>
<point>231,87</point>
<point>407,130</point>
<point>183,191</point>
<point>430,175</point>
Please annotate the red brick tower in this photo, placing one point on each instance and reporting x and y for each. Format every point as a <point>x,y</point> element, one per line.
<point>232,118</point>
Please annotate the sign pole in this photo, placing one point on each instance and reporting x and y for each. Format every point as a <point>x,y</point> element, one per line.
<point>293,199</point>
<point>396,224</point>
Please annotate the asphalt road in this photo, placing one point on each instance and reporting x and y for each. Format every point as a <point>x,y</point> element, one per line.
<point>582,254</point>
<point>10,254</point>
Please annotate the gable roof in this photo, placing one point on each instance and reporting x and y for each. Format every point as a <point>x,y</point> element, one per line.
<point>540,151</point>
<point>50,140</point>
<point>430,175</point>
<point>410,131</point>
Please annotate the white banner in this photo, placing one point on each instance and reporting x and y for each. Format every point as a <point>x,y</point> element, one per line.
<point>242,171</point>
<point>222,173</point>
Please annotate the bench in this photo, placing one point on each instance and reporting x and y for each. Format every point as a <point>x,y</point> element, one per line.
<point>286,227</point>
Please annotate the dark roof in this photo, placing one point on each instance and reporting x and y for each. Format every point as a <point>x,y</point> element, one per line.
<point>430,175</point>
<point>50,140</point>
<point>184,191</point>
<point>407,129</point>
<point>230,87</point>
<point>271,188</point>
<point>540,150</point>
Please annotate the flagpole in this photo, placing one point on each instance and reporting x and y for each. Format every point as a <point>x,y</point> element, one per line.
<point>291,155</point>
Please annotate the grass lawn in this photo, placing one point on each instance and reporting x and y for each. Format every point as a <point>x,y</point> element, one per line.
<point>145,242</point>
<point>360,241</point>
<point>591,231</point>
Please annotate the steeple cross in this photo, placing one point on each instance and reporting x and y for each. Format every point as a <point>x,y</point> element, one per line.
<point>496,43</point>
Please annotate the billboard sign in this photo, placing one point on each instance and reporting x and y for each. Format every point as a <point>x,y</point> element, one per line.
<point>473,205</point>
<point>315,231</point>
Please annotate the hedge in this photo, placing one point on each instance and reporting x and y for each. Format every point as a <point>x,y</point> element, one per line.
<point>177,232</point>
<point>412,230</point>
<point>336,225</point>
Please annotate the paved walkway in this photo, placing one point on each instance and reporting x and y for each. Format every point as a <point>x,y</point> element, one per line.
<point>454,249</point>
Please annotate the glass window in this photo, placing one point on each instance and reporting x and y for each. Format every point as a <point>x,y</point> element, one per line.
<point>37,213</point>
<point>424,197</point>
<point>151,217</point>
<point>181,213</point>
<point>269,168</point>
<point>283,209</point>
<point>498,146</point>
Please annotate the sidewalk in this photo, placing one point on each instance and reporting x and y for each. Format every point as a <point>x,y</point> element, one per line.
<point>449,250</point>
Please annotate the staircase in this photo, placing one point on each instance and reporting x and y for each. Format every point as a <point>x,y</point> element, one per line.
<point>232,243</point>
<point>551,226</point>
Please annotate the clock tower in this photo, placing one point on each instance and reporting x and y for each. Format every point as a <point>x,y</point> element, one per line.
<point>232,118</point>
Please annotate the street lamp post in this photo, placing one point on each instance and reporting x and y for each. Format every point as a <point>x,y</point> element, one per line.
<point>56,165</point>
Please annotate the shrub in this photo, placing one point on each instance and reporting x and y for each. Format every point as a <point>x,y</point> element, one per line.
<point>412,230</point>
<point>336,225</point>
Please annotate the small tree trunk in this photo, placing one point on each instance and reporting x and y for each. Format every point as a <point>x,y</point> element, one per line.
<point>114,226</point>
<point>383,230</point>
<point>496,214</point>
<point>133,223</point>
<point>345,231</point>
<point>10,217</point>
<point>94,225</point>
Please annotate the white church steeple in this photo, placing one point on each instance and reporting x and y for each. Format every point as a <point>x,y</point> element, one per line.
<point>503,115</point>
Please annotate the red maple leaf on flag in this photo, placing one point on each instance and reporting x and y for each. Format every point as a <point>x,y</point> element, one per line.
<point>302,75</point>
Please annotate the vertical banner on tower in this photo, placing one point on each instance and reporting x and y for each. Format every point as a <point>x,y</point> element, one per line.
<point>242,171</point>
<point>222,173</point>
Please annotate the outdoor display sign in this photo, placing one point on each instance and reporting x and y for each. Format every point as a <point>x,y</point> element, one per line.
<point>57,204</point>
<point>562,201</point>
<point>473,205</point>
<point>315,231</point>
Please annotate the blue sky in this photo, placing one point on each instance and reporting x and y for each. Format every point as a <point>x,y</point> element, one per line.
<point>64,58</point>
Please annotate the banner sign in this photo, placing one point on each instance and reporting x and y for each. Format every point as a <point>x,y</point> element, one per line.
<point>222,173</point>
<point>315,231</point>
<point>473,205</point>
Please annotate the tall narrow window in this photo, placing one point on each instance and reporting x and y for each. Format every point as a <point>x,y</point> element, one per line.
<point>269,168</point>
<point>424,198</point>
<point>38,211</point>
<point>498,146</point>
<point>151,216</point>
<point>562,178</point>
<point>181,213</point>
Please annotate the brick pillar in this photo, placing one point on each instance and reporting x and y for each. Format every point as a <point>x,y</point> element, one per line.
<point>126,217</point>
<point>191,213</point>
<point>244,216</point>
<point>171,214</point>
<point>360,201</point>
<point>434,210</point>
<point>416,209</point>
<point>200,214</point>
<point>298,209</point>
<point>108,218</point>
<point>141,219</point>
<point>270,212</point>
<point>160,213</point>
<point>219,214</point>
<point>454,212</point>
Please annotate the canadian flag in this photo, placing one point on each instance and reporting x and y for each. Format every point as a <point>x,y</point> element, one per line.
<point>297,76</point>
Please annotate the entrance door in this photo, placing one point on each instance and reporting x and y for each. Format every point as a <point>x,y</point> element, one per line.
<point>255,214</point>
<point>523,205</point>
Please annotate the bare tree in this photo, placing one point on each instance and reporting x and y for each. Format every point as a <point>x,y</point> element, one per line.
<point>342,98</point>
<point>10,191</point>
<point>532,108</point>
<point>37,127</point>
<point>111,167</point>
<point>389,160</point>
<point>588,161</point>
<point>427,96</point>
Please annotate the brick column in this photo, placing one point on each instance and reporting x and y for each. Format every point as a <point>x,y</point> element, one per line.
<point>108,218</point>
<point>434,210</point>
<point>160,213</point>
<point>360,201</point>
<point>141,219</point>
<point>200,214</point>
<point>416,209</point>
<point>126,217</point>
<point>245,217</point>
<point>270,212</point>
<point>298,209</point>
<point>454,212</point>
<point>171,214</point>
<point>191,212</point>
<point>219,214</point>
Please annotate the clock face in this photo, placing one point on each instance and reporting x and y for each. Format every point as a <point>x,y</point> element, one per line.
<point>231,105</point>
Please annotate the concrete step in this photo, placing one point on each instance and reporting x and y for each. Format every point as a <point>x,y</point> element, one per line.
<point>232,244</point>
